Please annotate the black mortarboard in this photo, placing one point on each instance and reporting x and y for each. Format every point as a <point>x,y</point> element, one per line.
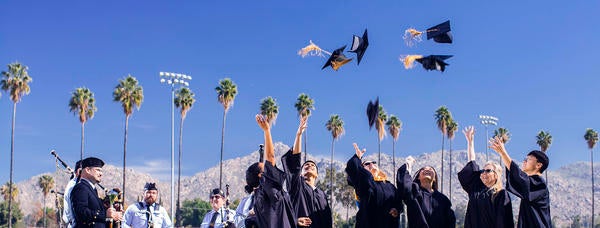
<point>440,33</point>
<point>373,112</point>
<point>434,62</point>
<point>541,158</point>
<point>92,162</point>
<point>217,191</point>
<point>359,46</point>
<point>150,186</point>
<point>337,59</point>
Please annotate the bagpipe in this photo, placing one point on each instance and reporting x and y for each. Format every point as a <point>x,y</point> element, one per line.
<point>226,220</point>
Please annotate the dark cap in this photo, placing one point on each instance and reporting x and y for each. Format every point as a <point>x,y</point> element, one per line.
<point>311,161</point>
<point>92,162</point>
<point>541,158</point>
<point>337,59</point>
<point>217,191</point>
<point>150,186</point>
<point>359,45</point>
<point>78,165</point>
<point>373,112</point>
<point>434,62</point>
<point>440,33</point>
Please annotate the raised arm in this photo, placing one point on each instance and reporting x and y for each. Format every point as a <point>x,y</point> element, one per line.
<point>266,127</point>
<point>298,140</point>
<point>497,145</point>
<point>470,135</point>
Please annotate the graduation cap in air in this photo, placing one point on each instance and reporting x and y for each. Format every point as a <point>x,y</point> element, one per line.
<point>337,59</point>
<point>430,62</point>
<point>359,45</point>
<point>373,112</point>
<point>439,33</point>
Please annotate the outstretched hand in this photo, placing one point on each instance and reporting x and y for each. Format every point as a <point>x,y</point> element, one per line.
<point>262,122</point>
<point>497,145</point>
<point>410,161</point>
<point>469,133</point>
<point>303,125</point>
<point>359,153</point>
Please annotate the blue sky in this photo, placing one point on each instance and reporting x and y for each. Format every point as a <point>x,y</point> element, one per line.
<point>530,64</point>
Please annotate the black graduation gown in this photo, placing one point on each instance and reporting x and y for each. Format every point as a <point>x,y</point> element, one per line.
<point>424,208</point>
<point>484,210</point>
<point>273,206</point>
<point>306,201</point>
<point>534,210</point>
<point>376,198</point>
<point>87,206</point>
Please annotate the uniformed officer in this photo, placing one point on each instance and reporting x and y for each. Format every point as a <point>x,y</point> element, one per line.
<point>147,213</point>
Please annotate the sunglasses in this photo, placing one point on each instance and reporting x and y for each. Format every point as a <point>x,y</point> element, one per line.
<point>487,171</point>
<point>369,163</point>
<point>216,197</point>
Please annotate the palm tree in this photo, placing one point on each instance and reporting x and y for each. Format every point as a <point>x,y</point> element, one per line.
<point>184,100</point>
<point>544,140</point>
<point>380,126</point>
<point>15,81</point>
<point>442,115</point>
<point>394,127</point>
<point>335,125</point>
<point>450,130</point>
<point>83,104</point>
<point>46,182</point>
<point>591,137</point>
<point>9,191</point>
<point>503,134</point>
<point>269,109</point>
<point>304,105</point>
<point>131,95</point>
<point>226,92</point>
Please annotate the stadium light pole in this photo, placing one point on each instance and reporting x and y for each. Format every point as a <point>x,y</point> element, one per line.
<point>486,121</point>
<point>173,79</point>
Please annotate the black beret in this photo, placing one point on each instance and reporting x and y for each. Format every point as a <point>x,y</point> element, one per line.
<point>217,191</point>
<point>150,186</point>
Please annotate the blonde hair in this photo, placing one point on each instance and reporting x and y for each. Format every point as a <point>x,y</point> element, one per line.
<point>378,175</point>
<point>499,170</point>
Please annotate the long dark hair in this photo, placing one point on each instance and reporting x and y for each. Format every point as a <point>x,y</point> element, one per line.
<point>434,185</point>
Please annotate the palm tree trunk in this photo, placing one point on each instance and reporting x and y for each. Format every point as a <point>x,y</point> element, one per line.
<point>44,210</point>
<point>222,144</point>
<point>331,181</point>
<point>82,137</point>
<point>442,181</point>
<point>305,150</point>
<point>450,167</point>
<point>178,214</point>
<point>12,154</point>
<point>592,160</point>
<point>378,150</point>
<point>125,156</point>
<point>394,160</point>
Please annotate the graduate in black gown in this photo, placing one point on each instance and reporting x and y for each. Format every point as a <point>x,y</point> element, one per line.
<point>426,207</point>
<point>273,206</point>
<point>377,196</point>
<point>527,183</point>
<point>310,203</point>
<point>489,204</point>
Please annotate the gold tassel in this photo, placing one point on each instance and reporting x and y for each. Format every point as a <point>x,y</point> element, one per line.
<point>412,36</point>
<point>408,60</point>
<point>313,50</point>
